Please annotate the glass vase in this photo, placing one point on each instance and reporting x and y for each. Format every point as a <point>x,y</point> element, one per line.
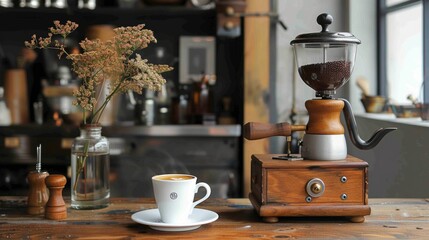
<point>90,188</point>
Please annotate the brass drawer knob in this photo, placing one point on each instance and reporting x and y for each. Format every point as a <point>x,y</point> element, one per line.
<point>315,187</point>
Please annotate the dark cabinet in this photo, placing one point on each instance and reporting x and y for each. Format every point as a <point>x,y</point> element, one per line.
<point>217,159</point>
<point>168,23</point>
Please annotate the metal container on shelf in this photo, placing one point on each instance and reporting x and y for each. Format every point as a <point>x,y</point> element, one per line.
<point>16,95</point>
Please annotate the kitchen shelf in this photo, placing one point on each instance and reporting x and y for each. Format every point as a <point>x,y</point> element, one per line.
<point>126,130</point>
<point>29,18</point>
<point>174,131</point>
<point>146,10</point>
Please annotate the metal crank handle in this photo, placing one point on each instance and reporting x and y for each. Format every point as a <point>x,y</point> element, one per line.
<point>254,130</point>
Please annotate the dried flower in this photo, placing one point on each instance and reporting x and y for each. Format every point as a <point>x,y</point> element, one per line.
<point>115,59</point>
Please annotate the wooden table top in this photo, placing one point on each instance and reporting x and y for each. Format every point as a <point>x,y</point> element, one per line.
<point>390,219</point>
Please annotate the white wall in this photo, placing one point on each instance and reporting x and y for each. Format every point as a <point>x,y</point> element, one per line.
<point>363,24</point>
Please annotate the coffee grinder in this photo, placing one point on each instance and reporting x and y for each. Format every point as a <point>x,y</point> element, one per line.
<point>323,180</point>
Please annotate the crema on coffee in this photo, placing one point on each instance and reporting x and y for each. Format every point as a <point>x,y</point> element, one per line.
<point>174,177</point>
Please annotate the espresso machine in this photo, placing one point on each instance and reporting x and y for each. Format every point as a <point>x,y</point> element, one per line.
<point>323,180</point>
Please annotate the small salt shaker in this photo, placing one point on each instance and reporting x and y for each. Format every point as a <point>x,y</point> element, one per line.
<point>56,207</point>
<point>38,193</point>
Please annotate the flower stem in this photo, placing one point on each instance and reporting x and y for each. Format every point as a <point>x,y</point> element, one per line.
<point>100,110</point>
<point>81,162</point>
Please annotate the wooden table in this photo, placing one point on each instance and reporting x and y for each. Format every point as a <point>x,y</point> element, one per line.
<point>390,219</point>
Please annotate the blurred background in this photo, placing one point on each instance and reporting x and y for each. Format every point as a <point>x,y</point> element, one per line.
<point>233,63</point>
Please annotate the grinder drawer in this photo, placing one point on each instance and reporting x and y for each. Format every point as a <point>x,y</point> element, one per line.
<point>331,186</point>
<point>307,182</point>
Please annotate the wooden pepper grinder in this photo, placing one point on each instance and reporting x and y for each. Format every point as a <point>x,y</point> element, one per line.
<point>56,207</point>
<point>38,193</point>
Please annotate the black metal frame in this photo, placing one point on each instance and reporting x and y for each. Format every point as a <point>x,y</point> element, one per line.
<point>381,46</point>
<point>426,50</point>
<point>382,11</point>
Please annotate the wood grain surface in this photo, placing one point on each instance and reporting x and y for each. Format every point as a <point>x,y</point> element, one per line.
<point>390,219</point>
<point>283,188</point>
<point>324,116</point>
<point>256,80</point>
<point>289,186</point>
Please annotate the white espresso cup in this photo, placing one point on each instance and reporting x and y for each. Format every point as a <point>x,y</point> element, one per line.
<point>174,196</point>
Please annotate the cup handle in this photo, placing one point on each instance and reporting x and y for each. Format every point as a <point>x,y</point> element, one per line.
<point>208,192</point>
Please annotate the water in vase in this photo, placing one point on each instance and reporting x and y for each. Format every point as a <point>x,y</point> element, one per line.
<point>90,187</point>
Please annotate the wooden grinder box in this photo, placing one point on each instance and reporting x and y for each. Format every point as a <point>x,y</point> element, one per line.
<point>282,188</point>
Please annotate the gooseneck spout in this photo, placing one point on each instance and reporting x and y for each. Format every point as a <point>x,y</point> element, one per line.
<point>353,132</point>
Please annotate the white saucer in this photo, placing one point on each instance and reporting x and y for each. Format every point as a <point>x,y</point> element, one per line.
<point>152,218</point>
